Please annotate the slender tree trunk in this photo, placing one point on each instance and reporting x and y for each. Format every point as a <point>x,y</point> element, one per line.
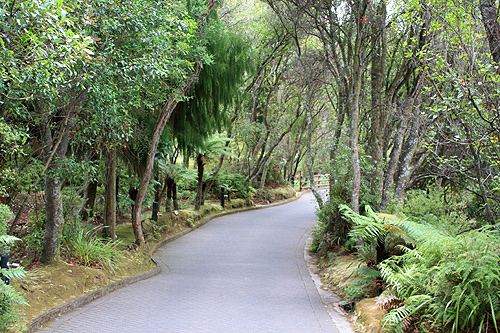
<point>336,141</point>
<point>199,189</point>
<point>376,140</point>
<point>262,182</point>
<point>408,152</point>
<point>53,194</point>
<point>354,129</point>
<point>489,15</point>
<point>169,182</point>
<point>110,196</point>
<point>309,161</point>
<point>174,196</point>
<point>407,110</point>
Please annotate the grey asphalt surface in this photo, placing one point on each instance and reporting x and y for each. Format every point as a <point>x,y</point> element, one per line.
<point>239,273</point>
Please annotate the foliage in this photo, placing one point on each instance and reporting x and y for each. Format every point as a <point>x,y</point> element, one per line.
<point>236,183</point>
<point>11,146</point>
<point>35,230</point>
<point>91,251</point>
<point>332,230</point>
<point>449,282</point>
<point>8,295</point>
<point>5,216</point>
<point>273,194</point>
<point>72,202</point>
<point>437,207</point>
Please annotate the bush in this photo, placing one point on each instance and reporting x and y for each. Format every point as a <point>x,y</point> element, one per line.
<point>5,216</point>
<point>35,230</point>
<point>434,207</point>
<point>8,295</point>
<point>273,194</point>
<point>447,282</point>
<point>233,182</point>
<point>331,230</point>
<point>89,250</point>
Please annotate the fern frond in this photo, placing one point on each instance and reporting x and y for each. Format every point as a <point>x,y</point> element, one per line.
<point>394,320</point>
<point>389,302</point>
<point>10,294</point>
<point>417,233</point>
<point>8,239</point>
<point>13,273</point>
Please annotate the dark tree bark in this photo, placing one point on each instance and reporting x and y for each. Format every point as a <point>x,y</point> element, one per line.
<point>174,196</point>
<point>199,189</point>
<point>378,113</point>
<point>54,153</point>
<point>90,196</point>
<point>489,15</point>
<point>169,182</point>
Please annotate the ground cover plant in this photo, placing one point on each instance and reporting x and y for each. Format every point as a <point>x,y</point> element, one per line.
<point>437,276</point>
<point>9,296</point>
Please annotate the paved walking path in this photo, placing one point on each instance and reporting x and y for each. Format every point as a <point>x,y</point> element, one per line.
<point>239,273</point>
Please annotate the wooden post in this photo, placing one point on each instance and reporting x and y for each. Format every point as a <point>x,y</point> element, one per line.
<point>300,181</point>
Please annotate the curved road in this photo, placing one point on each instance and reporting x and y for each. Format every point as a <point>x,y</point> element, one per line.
<point>239,273</point>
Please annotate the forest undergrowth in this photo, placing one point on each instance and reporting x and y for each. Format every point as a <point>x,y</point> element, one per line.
<point>428,266</point>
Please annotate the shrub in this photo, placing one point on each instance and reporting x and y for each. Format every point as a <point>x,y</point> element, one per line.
<point>331,230</point>
<point>35,230</point>
<point>234,182</point>
<point>434,206</point>
<point>448,282</point>
<point>8,295</point>
<point>91,251</point>
<point>5,216</point>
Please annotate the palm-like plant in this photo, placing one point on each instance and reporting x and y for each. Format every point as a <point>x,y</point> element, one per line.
<point>213,146</point>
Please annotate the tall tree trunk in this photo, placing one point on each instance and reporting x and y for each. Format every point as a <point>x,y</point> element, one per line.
<point>174,196</point>
<point>53,194</point>
<point>376,140</point>
<point>309,160</point>
<point>169,182</point>
<point>354,129</point>
<point>489,14</point>
<point>407,109</point>
<point>357,73</point>
<point>163,117</point>
<point>110,196</point>
<point>336,141</point>
<point>262,182</point>
<point>405,168</point>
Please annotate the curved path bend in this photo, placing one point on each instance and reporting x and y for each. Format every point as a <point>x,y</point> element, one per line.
<point>243,272</point>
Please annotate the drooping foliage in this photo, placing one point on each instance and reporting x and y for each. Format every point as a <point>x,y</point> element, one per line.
<point>205,111</point>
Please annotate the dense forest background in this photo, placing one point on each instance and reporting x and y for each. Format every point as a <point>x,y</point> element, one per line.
<point>108,106</point>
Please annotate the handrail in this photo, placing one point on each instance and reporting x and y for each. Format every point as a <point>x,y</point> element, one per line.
<point>320,180</point>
